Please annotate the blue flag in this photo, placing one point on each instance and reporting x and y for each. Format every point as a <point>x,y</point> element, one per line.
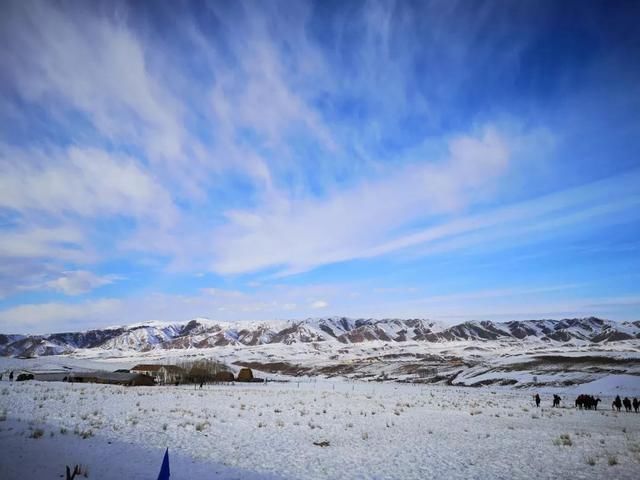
<point>164,469</point>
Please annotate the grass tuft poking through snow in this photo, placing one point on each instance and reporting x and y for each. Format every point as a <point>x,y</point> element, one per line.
<point>36,433</point>
<point>563,440</point>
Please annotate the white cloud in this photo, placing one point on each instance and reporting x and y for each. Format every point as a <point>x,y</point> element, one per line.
<point>57,196</point>
<point>64,243</point>
<point>31,255</point>
<point>276,68</point>
<point>363,223</point>
<point>509,303</point>
<point>252,101</point>
<point>262,82</point>
<point>222,293</point>
<point>81,181</point>
<point>275,301</point>
<point>77,282</point>
<point>50,317</point>
<point>300,234</point>
<point>603,202</point>
<point>94,64</point>
<point>319,304</point>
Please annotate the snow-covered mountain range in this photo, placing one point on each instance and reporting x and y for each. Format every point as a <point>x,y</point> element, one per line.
<point>203,333</point>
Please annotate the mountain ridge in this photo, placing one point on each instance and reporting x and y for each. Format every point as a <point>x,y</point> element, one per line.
<point>205,333</point>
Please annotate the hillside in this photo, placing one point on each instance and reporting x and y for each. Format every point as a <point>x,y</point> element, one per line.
<point>517,353</point>
<point>201,333</point>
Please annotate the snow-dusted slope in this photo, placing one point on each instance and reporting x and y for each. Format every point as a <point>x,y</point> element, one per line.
<point>203,333</point>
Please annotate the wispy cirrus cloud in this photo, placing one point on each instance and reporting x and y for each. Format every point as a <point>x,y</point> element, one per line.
<point>298,235</point>
<point>80,61</point>
<point>65,243</point>
<point>82,182</point>
<point>309,141</point>
<point>605,202</point>
<point>77,282</point>
<point>319,304</point>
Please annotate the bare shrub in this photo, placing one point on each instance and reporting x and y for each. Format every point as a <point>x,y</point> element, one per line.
<point>201,426</point>
<point>77,470</point>
<point>563,440</point>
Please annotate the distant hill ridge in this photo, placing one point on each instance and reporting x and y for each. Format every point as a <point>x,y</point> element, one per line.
<point>204,333</point>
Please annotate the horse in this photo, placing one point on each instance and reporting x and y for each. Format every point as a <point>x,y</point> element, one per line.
<point>556,400</point>
<point>617,403</point>
<point>636,405</point>
<point>588,402</point>
<point>627,404</point>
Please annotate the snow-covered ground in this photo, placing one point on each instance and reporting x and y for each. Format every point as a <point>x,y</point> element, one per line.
<point>98,457</point>
<point>371,430</point>
<point>521,363</point>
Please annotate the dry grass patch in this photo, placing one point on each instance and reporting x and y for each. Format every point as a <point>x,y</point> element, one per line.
<point>563,440</point>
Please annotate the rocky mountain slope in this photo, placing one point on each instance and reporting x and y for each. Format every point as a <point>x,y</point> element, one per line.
<point>203,333</point>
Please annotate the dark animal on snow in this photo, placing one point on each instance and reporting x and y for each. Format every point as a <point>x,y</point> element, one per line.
<point>627,404</point>
<point>537,399</point>
<point>556,400</point>
<point>617,403</point>
<point>636,405</point>
<point>588,402</point>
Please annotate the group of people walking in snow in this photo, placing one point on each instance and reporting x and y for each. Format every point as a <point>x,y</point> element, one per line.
<point>556,400</point>
<point>589,402</point>
<point>617,404</point>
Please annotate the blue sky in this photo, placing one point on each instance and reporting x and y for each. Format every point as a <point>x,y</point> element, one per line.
<point>273,160</point>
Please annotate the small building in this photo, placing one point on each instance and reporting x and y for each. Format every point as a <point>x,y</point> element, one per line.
<point>51,376</point>
<point>162,374</point>
<point>19,375</point>
<point>111,378</point>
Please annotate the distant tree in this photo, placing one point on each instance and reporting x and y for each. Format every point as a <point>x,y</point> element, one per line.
<point>204,370</point>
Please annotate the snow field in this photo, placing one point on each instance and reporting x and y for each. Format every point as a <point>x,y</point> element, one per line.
<point>374,430</point>
<point>98,457</point>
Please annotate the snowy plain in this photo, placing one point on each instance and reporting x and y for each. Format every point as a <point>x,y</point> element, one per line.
<point>276,430</point>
